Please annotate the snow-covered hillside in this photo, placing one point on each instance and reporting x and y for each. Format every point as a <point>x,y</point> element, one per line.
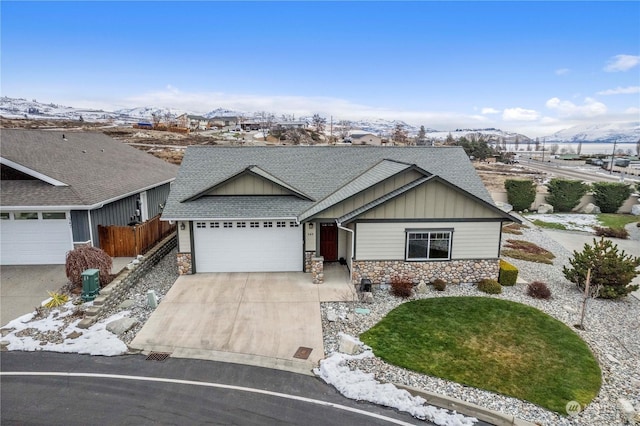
<point>627,132</point>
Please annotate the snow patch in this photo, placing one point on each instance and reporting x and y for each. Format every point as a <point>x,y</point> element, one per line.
<point>573,222</point>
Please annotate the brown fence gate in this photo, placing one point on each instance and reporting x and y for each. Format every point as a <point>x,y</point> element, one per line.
<point>128,241</point>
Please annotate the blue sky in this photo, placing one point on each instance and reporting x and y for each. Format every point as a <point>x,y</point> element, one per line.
<point>531,67</point>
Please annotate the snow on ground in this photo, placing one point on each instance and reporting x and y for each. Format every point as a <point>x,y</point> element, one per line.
<point>361,386</point>
<point>573,222</point>
<point>95,340</point>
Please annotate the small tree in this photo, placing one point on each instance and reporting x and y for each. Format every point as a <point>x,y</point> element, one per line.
<point>520,193</point>
<point>83,258</point>
<point>611,270</point>
<point>318,123</point>
<point>421,139</point>
<point>564,195</point>
<point>610,196</point>
<point>399,134</point>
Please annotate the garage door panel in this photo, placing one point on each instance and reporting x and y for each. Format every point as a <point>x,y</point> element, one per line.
<point>263,249</point>
<point>34,242</point>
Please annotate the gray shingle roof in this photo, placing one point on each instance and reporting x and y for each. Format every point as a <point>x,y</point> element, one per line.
<point>319,172</point>
<point>95,167</point>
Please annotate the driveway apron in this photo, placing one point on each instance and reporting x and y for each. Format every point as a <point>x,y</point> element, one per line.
<point>249,318</point>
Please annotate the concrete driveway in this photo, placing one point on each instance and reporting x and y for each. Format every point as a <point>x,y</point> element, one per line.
<point>249,318</point>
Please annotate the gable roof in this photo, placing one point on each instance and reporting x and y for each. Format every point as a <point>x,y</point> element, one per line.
<point>82,169</point>
<point>327,175</point>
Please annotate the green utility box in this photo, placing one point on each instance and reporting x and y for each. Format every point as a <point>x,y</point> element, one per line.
<point>90,284</point>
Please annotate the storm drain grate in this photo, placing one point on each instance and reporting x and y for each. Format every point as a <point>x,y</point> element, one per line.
<point>158,356</point>
<point>302,353</point>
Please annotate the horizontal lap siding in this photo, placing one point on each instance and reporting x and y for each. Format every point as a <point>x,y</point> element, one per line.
<point>386,241</point>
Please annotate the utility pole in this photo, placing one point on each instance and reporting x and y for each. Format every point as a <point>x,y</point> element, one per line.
<point>331,131</point>
<point>612,154</point>
<point>543,143</point>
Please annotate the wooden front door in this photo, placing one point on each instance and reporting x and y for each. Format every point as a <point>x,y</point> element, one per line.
<point>329,242</point>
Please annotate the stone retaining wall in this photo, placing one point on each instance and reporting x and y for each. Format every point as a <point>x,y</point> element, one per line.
<point>453,271</point>
<point>114,293</point>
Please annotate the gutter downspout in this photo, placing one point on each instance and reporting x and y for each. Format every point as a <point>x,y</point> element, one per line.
<point>353,236</point>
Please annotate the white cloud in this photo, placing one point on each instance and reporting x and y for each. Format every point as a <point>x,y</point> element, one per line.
<point>621,91</point>
<point>562,71</point>
<point>488,110</point>
<point>590,108</point>
<point>622,63</point>
<point>520,114</point>
<point>632,110</point>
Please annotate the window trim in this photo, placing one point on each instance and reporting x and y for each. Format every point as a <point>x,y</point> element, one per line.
<point>427,231</point>
<point>50,214</point>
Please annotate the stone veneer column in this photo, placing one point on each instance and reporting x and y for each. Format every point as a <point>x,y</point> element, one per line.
<point>317,270</point>
<point>308,257</point>
<point>184,263</point>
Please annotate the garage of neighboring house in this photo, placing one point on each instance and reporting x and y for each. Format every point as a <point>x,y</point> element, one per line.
<point>35,237</point>
<point>248,246</point>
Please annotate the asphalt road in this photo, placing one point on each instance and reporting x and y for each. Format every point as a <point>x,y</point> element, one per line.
<point>129,390</point>
<point>586,173</point>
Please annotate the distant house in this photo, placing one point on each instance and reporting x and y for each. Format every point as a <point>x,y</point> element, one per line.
<point>192,122</point>
<point>57,187</point>
<point>225,121</point>
<point>361,137</point>
<point>412,213</point>
<point>290,124</point>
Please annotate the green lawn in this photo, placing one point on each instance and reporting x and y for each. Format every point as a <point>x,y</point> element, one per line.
<point>616,221</point>
<point>549,225</point>
<point>492,344</point>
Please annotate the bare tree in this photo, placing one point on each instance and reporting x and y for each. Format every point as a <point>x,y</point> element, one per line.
<point>266,122</point>
<point>399,134</point>
<point>537,144</point>
<point>554,148</point>
<point>344,127</point>
<point>319,123</point>
<point>298,136</point>
<point>157,118</point>
<point>421,139</point>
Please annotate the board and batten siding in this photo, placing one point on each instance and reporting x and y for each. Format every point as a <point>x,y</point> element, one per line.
<point>386,240</point>
<point>118,213</point>
<point>157,198</point>
<point>80,226</point>
<point>249,184</point>
<point>369,195</point>
<point>431,200</point>
<point>184,238</point>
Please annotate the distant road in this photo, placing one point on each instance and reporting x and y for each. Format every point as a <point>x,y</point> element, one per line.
<point>584,173</point>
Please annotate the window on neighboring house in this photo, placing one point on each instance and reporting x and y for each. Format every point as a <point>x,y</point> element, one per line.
<point>214,225</point>
<point>293,224</point>
<point>281,224</point>
<point>201,225</point>
<point>4,216</point>
<point>254,224</point>
<point>53,215</point>
<point>227,224</point>
<point>267,224</point>
<point>241,225</point>
<point>428,244</point>
<point>26,216</point>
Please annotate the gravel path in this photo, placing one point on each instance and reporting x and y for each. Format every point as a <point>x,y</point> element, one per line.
<point>612,330</point>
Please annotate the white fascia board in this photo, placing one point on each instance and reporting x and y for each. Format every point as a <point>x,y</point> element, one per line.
<point>31,172</point>
<point>227,219</point>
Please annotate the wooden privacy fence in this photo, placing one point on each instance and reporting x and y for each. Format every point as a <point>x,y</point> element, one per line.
<point>127,241</point>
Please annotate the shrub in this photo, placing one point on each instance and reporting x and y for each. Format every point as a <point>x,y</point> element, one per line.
<point>538,290</point>
<point>513,228</point>
<point>83,258</point>
<point>508,274</point>
<point>610,196</point>
<point>611,271</point>
<point>520,193</point>
<point>439,284</point>
<point>401,288</point>
<point>57,299</point>
<point>525,250</point>
<point>490,286</point>
<point>564,194</point>
<point>611,232</point>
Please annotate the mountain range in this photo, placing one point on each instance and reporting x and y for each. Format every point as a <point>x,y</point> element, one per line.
<point>627,132</point>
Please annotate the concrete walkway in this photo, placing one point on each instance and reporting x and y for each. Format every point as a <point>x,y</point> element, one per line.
<point>249,318</point>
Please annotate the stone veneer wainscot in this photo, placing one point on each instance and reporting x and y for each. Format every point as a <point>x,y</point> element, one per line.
<point>451,271</point>
<point>184,263</point>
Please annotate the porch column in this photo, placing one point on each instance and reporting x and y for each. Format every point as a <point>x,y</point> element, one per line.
<point>317,270</point>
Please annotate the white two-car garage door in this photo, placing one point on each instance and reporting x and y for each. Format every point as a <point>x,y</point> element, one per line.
<point>248,246</point>
<point>34,238</point>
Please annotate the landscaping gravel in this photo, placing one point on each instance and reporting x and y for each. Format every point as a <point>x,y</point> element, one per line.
<point>612,330</point>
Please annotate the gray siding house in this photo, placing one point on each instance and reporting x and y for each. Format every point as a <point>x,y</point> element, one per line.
<point>387,212</point>
<point>57,187</point>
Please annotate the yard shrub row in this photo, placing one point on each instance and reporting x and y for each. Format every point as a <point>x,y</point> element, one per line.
<point>520,193</point>
<point>565,194</point>
<point>610,196</point>
<point>508,274</point>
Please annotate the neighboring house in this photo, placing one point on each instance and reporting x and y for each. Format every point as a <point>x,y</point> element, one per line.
<point>57,187</point>
<point>225,121</point>
<point>416,213</point>
<point>192,122</point>
<point>360,137</point>
<point>288,125</point>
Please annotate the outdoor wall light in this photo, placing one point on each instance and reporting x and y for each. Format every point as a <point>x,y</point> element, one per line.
<point>310,225</point>
<point>182,226</point>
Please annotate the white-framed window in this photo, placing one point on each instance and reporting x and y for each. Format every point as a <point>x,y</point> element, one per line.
<point>25,216</point>
<point>201,225</point>
<point>425,244</point>
<point>254,224</point>
<point>281,224</point>
<point>267,224</point>
<point>227,224</point>
<point>53,215</point>
<point>293,224</point>
<point>214,225</point>
<point>241,224</point>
